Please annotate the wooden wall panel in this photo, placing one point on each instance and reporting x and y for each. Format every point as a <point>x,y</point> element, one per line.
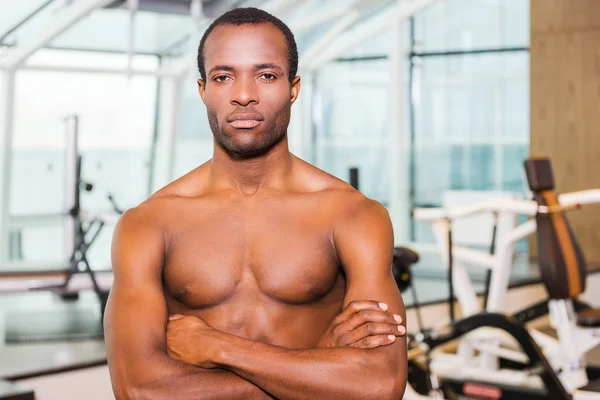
<point>564,15</point>
<point>565,103</point>
<point>543,114</point>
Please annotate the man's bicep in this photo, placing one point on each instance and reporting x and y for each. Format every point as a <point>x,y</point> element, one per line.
<point>136,313</point>
<point>384,290</point>
<point>365,246</point>
<point>375,284</point>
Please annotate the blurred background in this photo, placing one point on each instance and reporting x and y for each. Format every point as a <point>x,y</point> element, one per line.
<point>424,103</point>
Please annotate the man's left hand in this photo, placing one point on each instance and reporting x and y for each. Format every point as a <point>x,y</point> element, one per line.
<point>363,324</point>
<point>184,332</point>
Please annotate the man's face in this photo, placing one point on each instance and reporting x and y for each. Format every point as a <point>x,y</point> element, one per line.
<point>247,92</point>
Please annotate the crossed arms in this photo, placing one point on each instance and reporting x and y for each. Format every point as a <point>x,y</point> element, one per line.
<point>355,358</point>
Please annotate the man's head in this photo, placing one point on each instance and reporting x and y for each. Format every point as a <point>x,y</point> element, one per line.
<point>248,61</point>
<point>251,16</point>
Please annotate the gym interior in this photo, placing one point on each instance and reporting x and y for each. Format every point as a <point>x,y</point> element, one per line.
<point>474,122</point>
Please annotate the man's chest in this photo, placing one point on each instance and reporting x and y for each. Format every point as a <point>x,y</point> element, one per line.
<point>286,256</point>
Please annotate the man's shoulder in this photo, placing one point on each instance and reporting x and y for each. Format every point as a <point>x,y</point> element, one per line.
<point>341,199</point>
<point>165,207</point>
<point>337,190</point>
<point>356,217</point>
<point>355,206</point>
<point>191,185</point>
<point>144,216</point>
<point>155,211</point>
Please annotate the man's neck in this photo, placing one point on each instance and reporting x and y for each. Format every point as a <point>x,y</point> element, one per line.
<point>249,176</point>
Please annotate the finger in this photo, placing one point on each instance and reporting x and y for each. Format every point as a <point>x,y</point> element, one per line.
<point>371,329</point>
<point>359,305</point>
<point>365,316</point>
<point>372,342</point>
<point>175,317</point>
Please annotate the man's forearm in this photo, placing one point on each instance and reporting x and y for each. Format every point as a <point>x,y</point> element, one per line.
<point>168,379</point>
<point>314,373</point>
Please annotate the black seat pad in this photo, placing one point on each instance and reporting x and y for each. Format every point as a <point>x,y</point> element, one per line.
<point>401,264</point>
<point>405,256</point>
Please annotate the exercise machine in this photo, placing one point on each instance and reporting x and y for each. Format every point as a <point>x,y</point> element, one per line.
<point>486,354</point>
<point>82,227</point>
<point>550,387</point>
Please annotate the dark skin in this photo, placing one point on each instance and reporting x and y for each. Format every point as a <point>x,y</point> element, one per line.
<point>256,275</point>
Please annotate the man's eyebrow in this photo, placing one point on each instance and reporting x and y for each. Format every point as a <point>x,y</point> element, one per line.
<point>267,66</point>
<point>221,68</point>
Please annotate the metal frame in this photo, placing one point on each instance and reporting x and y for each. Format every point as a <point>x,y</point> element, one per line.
<point>155,133</point>
<point>301,123</point>
<point>412,174</point>
<point>166,132</point>
<point>162,72</point>
<point>485,365</point>
<point>324,41</point>
<point>78,282</point>
<point>398,12</point>
<point>62,21</point>
<point>397,134</point>
<point>468,52</point>
<point>321,18</point>
<point>536,360</point>
<point>73,169</point>
<point>6,130</point>
<point>347,15</point>
<point>26,19</point>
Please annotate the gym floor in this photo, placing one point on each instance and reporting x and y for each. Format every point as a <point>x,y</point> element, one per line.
<point>30,358</point>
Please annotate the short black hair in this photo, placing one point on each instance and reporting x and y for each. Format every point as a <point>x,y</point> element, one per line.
<point>251,15</point>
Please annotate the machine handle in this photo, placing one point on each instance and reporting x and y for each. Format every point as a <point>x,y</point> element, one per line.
<point>558,208</point>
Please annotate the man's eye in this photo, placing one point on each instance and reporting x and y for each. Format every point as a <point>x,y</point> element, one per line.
<point>221,78</point>
<point>268,77</point>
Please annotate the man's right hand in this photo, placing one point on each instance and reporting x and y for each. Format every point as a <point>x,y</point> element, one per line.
<point>364,324</point>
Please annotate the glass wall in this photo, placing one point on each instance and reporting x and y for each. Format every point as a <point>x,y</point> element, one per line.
<point>471,115</point>
<point>350,132</point>
<point>468,107</point>
<point>116,127</point>
<point>470,100</point>
<point>471,25</point>
<point>193,140</point>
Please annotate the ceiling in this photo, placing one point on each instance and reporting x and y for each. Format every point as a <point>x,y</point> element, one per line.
<point>160,27</point>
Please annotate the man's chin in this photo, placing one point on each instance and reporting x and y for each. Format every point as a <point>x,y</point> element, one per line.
<point>247,144</point>
<point>246,150</point>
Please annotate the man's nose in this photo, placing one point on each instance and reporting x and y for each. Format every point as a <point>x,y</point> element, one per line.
<point>245,91</point>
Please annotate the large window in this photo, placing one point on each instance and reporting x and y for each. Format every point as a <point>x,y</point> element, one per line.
<point>116,127</point>
<point>193,141</point>
<point>471,25</point>
<point>469,100</point>
<point>350,132</point>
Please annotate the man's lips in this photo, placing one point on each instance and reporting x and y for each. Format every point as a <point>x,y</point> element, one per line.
<point>245,123</point>
<point>245,120</point>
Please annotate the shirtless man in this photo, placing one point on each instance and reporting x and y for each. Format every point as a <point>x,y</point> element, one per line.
<point>256,275</point>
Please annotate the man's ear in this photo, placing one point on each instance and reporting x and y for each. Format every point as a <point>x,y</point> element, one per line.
<point>295,89</point>
<point>202,89</point>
